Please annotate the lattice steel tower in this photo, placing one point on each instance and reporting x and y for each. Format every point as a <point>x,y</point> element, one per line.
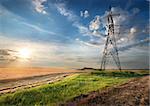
<point>110,49</point>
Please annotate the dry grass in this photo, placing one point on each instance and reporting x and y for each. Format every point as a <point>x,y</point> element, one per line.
<point>15,73</point>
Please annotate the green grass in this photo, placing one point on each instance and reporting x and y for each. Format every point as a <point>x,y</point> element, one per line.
<point>124,74</point>
<point>61,91</point>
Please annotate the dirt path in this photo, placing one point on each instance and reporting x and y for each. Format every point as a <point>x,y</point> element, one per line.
<point>12,79</point>
<point>16,73</point>
<point>133,93</point>
<point>12,85</point>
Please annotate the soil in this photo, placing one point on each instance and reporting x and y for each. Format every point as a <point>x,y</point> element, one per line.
<point>13,79</point>
<point>19,72</point>
<point>133,93</point>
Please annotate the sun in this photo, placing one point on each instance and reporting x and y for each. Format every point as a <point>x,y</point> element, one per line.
<point>25,53</point>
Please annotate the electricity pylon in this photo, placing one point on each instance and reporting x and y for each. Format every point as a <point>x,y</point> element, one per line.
<point>110,49</point>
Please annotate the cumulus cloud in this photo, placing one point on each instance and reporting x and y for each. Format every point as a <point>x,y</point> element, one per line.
<point>39,6</point>
<point>136,32</point>
<point>124,30</point>
<point>122,16</point>
<point>95,24</point>
<point>132,33</point>
<point>62,9</point>
<point>94,29</point>
<point>91,30</point>
<point>86,32</point>
<point>133,30</point>
<point>84,14</point>
<point>126,36</point>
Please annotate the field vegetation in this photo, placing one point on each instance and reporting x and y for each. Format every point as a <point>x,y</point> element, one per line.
<point>68,88</point>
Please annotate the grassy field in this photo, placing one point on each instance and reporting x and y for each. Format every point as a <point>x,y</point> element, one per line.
<point>70,87</point>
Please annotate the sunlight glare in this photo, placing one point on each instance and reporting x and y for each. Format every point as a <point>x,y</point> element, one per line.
<point>24,53</point>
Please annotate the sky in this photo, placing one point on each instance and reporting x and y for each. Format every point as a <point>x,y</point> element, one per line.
<point>71,33</point>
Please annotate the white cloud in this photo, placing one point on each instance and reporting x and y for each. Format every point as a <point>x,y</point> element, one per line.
<point>95,24</point>
<point>133,30</point>
<point>92,43</point>
<point>134,44</point>
<point>88,43</point>
<point>39,7</point>
<point>49,49</point>
<point>38,28</point>
<point>94,27</point>
<point>84,14</point>
<point>122,17</point>
<point>127,34</point>
<point>61,7</point>
<point>86,32</point>
<point>83,30</point>
<point>96,33</point>
<point>81,14</point>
